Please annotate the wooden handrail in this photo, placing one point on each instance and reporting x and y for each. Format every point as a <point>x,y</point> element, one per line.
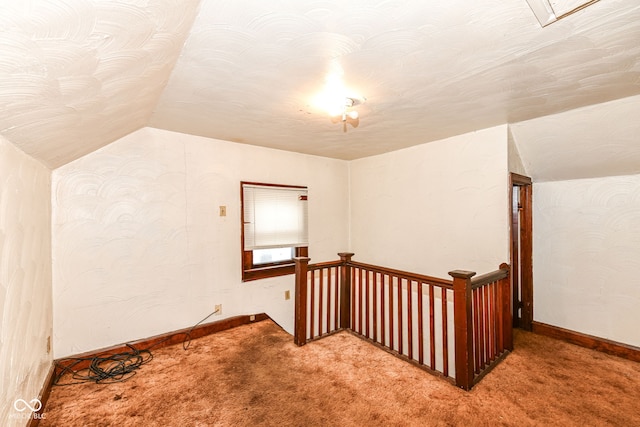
<point>404,274</point>
<point>491,277</point>
<point>321,265</point>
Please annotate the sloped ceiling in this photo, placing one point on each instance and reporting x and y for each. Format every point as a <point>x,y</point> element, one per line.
<point>77,74</point>
<point>588,142</point>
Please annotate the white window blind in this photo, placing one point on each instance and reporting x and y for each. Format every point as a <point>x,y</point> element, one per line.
<point>274,217</point>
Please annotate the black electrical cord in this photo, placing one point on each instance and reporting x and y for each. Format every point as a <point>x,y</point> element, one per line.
<point>114,368</point>
<point>117,367</point>
<point>187,340</point>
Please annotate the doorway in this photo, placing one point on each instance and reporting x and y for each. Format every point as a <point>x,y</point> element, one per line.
<point>521,251</point>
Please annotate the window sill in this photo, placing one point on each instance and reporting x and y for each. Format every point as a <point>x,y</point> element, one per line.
<point>266,272</point>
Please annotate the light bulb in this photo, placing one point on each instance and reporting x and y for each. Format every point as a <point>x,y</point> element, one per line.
<point>335,111</point>
<point>353,114</point>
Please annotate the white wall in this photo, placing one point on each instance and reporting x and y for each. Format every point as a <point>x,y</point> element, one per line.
<point>587,256</point>
<point>139,248</point>
<point>25,280</point>
<point>593,141</point>
<point>435,207</point>
<point>515,161</point>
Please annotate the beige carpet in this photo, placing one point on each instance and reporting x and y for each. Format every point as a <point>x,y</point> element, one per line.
<point>254,375</point>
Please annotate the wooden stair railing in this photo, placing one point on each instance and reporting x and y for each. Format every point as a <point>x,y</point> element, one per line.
<point>397,311</point>
<point>483,325</point>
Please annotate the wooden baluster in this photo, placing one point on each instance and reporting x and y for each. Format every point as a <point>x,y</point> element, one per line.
<point>480,350</point>
<point>500,318</point>
<point>300,300</point>
<point>410,318</point>
<point>400,346</point>
<point>366,331</point>
<point>360,298</point>
<point>485,323</point>
<point>420,324</point>
<point>476,295</point>
<point>490,323</point>
<point>354,300</point>
<point>375,306</point>
<point>445,337</point>
<point>320,299</point>
<point>391,317</point>
<point>312,304</point>
<point>336,303</point>
<point>494,319</point>
<point>345,290</point>
<point>463,327</point>
<point>355,297</point>
<point>382,309</point>
<point>327,318</point>
<point>432,327</point>
<point>327,299</point>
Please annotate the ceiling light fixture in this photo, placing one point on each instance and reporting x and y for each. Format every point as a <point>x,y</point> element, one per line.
<point>336,99</point>
<point>348,114</point>
<point>349,103</point>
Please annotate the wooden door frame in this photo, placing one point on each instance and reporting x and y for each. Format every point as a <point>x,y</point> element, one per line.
<point>525,279</point>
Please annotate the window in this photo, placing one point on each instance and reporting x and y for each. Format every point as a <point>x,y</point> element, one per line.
<point>274,229</point>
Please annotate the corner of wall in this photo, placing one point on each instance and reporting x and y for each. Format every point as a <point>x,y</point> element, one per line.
<point>515,160</point>
<point>349,213</point>
<point>133,219</point>
<point>434,207</point>
<point>26,308</point>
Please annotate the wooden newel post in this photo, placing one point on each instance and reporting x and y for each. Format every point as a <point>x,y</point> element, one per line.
<point>300,301</point>
<point>345,290</point>
<point>463,325</point>
<point>507,319</point>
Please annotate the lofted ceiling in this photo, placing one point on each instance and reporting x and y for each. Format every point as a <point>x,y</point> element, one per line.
<point>76,75</point>
<point>588,142</point>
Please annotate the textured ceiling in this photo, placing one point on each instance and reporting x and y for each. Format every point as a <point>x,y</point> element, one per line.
<point>594,141</point>
<point>77,74</point>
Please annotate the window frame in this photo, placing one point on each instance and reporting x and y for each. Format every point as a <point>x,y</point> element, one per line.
<point>251,271</point>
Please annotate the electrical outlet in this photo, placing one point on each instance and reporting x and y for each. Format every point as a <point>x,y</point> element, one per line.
<point>287,294</point>
<point>218,309</point>
<point>223,211</point>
